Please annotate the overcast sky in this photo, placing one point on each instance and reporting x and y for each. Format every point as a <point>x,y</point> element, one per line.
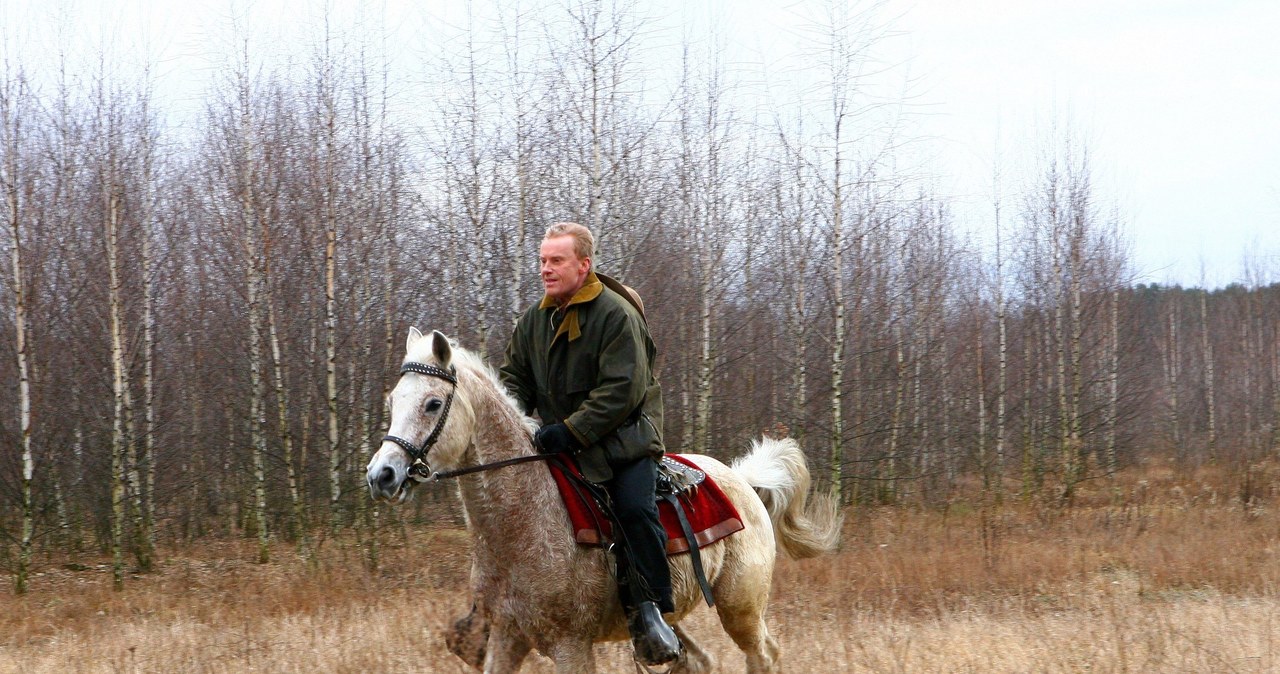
<point>1179,100</point>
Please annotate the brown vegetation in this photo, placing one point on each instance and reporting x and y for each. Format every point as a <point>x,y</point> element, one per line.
<point>1160,571</point>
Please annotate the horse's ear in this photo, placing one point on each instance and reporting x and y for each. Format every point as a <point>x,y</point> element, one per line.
<point>440,348</point>
<point>414,336</point>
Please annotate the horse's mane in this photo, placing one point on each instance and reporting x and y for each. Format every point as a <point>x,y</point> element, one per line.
<point>469,362</point>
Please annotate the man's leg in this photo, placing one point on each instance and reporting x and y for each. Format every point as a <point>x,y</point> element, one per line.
<point>643,575</point>
<point>632,491</point>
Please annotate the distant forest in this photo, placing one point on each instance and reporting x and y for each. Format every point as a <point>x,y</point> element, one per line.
<point>200,328</point>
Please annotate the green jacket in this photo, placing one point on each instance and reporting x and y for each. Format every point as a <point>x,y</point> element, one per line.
<point>590,365</point>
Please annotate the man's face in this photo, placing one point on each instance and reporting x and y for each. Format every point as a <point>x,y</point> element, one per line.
<point>563,272</point>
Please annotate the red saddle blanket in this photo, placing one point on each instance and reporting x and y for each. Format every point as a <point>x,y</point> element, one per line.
<point>711,514</point>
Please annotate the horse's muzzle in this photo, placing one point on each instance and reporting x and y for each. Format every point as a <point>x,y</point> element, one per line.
<point>387,480</point>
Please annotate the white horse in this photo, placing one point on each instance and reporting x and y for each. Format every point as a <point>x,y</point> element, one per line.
<point>534,587</point>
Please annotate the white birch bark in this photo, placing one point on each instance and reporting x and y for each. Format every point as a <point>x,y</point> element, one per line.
<point>147,535</point>
<point>11,134</point>
<point>1002,355</point>
<point>838,332</point>
<point>1076,355</point>
<point>119,384</point>
<point>1062,342</point>
<point>251,233</point>
<point>329,197</point>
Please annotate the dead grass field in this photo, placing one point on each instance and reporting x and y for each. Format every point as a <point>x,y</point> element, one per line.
<point>1162,572</point>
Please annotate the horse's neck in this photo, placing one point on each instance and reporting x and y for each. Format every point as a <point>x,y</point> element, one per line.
<point>514,512</point>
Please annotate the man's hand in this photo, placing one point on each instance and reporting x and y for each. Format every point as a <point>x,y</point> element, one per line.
<point>555,439</point>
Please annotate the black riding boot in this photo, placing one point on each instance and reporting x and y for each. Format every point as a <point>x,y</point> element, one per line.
<point>644,586</point>
<point>654,640</point>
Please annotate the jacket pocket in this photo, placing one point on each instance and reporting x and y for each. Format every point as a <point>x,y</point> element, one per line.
<point>633,440</point>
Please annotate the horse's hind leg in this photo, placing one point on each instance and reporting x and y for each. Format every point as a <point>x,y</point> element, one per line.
<point>742,615</point>
<point>693,660</point>
<point>751,635</point>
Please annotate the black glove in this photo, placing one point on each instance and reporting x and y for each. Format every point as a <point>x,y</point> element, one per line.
<point>555,439</point>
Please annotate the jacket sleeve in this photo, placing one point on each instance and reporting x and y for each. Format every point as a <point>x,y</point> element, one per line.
<point>621,381</point>
<point>516,373</point>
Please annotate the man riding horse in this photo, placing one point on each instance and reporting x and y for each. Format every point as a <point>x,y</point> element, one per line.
<point>582,358</point>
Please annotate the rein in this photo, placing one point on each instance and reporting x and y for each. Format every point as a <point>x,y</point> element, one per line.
<point>439,475</point>
<point>419,469</point>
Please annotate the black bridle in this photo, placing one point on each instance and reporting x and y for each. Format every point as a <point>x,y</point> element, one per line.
<point>419,469</point>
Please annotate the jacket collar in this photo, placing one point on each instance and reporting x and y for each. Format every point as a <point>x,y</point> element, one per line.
<point>591,289</point>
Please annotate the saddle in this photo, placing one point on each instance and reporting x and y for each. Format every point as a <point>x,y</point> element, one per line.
<point>694,510</point>
<point>678,478</point>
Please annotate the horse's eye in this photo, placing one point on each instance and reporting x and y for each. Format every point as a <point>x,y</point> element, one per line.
<point>433,405</point>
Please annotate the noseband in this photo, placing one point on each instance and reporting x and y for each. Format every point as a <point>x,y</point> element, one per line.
<point>419,469</point>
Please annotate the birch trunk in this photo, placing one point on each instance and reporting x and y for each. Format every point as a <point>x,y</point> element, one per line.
<point>981,392</point>
<point>518,258</point>
<point>119,387</point>
<point>706,357</point>
<point>1030,464</point>
<point>1210,392</point>
<point>147,537</point>
<point>331,364</point>
<point>800,377</point>
<point>297,527</point>
<point>257,406</point>
<point>1275,398</point>
<point>330,219</point>
<point>297,508</point>
<point>1002,367</point>
<point>595,194</point>
<point>1062,341</point>
<point>1246,376</point>
<point>257,415</point>
<point>838,333</point>
<point>889,476</point>
<point>1172,367</point>
<point>1113,377</point>
<point>1076,353</point>
<point>9,177</point>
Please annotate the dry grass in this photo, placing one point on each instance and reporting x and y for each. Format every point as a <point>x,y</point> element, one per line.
<point>1161,572</point>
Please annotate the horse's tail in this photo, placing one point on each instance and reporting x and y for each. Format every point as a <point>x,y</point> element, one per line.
<point>776,469</point>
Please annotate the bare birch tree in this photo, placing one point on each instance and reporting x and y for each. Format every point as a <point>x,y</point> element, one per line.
<point>14,107</point>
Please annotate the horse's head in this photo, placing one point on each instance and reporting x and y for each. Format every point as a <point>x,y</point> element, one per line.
<point>430,419</point>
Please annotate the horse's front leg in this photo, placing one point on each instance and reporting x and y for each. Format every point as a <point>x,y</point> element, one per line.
<point>573,656</point>
<point>469,638</point>
<point>506,650</point>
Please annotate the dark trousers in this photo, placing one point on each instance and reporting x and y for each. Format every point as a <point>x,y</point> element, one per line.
<point>641,551</point>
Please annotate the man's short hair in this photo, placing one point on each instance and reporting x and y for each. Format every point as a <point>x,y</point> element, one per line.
<point>584,243</point>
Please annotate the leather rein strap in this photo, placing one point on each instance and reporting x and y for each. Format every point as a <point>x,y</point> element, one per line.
<point>419,469</point>
<point>444,475</point>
